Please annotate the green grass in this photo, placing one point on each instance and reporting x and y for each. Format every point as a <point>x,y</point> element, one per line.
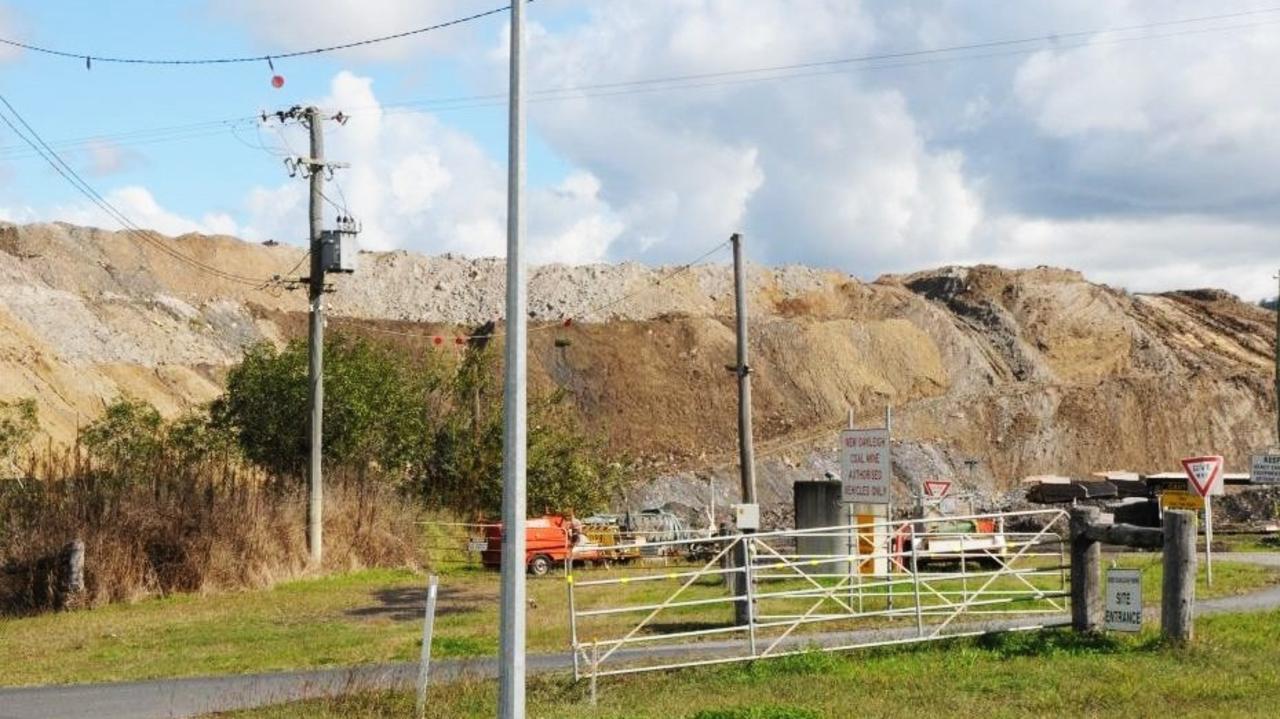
<point>1231,670</point>
<point>363,617</point>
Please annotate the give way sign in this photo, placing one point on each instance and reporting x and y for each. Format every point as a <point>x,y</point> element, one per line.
<point>936,488</point>
<point>1204,474</point>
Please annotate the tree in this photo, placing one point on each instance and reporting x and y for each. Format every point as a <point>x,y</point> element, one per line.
<point>129,436</point>
<point>18,425</point>
<point>566,469</point>
<point>378,405</point>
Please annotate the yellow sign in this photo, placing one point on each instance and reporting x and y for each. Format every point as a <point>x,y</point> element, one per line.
<point>1181,499</point>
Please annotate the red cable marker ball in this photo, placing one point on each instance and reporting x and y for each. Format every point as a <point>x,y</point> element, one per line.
<point>277,81</point>
<point>459,341</point>
<point>438,340</point>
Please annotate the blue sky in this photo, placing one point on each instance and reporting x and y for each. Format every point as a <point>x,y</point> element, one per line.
<point>1142,156</point>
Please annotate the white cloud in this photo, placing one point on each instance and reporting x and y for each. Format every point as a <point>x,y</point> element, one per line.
<point>283,25</point>
<point>416,183</point>
<point>104,157</point>
<point>140,206</point>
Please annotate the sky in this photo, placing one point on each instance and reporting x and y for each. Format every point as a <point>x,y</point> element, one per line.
<point>1132,140</point>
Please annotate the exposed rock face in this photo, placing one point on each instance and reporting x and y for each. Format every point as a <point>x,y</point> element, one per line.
<point>1030,371</point>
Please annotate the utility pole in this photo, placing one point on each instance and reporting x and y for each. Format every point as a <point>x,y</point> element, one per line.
<point>511,624</point>
<point>743,611</point>
<point>1277,362</point>
<point>746,453</point>
<point>329,251</point>
<point>315,341</point>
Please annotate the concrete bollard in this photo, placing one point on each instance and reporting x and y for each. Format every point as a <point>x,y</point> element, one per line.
<point>70,587</point>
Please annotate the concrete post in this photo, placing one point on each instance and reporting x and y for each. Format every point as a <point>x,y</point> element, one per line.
<point>1086,572</point>
<point>70,576</point>
<point>1178,595</point>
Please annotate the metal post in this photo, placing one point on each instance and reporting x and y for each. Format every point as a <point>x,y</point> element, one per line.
<point>1208,540</point>
<point>315,344</point>
<point>595,669</point>
<point>749,580</point>
<point>888,428</point>
<point>915,575</point>
<point>573,616</point>
<point>511,625</point>
<point>424,665</point>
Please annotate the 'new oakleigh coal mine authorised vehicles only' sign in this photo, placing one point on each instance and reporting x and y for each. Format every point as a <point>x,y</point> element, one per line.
<point>864,465</point>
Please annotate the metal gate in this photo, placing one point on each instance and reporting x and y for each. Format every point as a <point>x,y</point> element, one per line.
<point>752,596</point>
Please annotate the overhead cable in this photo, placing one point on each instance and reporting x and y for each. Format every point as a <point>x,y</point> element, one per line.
<point>89,57</point>
<point>33,139</point>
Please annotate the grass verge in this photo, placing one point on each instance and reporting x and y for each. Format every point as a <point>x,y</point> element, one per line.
<point>1233,669</point>
<point>359,618</point>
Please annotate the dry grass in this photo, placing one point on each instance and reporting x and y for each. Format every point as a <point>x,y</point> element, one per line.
<point>207,526</point>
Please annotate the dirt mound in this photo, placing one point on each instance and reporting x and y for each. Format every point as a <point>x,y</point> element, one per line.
<point>1027,371</point>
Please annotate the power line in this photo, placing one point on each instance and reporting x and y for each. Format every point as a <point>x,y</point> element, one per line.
<point>911,58</point>
<point>90,58</point>
<point>71,176</point>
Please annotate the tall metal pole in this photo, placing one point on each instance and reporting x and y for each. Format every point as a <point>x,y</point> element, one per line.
<point>746,453</point>
<point>315,343</point>
<point>511,624</point>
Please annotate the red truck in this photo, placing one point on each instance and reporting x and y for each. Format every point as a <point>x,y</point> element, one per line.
<point>547,541</point>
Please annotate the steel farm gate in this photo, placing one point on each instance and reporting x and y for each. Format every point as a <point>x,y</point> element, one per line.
<point>886,582</point>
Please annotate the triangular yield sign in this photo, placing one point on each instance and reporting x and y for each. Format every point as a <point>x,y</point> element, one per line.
<point>936,487</point>
<point>1203,473</point>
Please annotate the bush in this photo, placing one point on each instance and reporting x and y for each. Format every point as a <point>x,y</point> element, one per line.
<point>378,406</point>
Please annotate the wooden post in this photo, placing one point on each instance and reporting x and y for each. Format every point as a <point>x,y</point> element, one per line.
<point>1177,602</point>
<point>1086,571</point>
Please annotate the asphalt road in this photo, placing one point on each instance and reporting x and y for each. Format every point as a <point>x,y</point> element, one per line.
<point>167,698</point>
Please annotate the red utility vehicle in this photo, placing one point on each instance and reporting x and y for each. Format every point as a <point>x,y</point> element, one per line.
<point>547,540</point>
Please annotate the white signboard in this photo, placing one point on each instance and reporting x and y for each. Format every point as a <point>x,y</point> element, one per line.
<point>864,466</point>
<point>1124,600</point>
<point>1265,469</point>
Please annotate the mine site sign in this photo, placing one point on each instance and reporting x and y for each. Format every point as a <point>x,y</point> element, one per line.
<point>864,465</point>
<point>1265,468</point>
<point>1124,600</point>
<point>936,488</point>
<point>1204,474</point>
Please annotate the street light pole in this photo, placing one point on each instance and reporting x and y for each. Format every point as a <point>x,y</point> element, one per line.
<point>511,625</point>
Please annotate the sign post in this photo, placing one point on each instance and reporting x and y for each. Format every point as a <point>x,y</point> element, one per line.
<point>1124,600</point>
<point>1204,477</point>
